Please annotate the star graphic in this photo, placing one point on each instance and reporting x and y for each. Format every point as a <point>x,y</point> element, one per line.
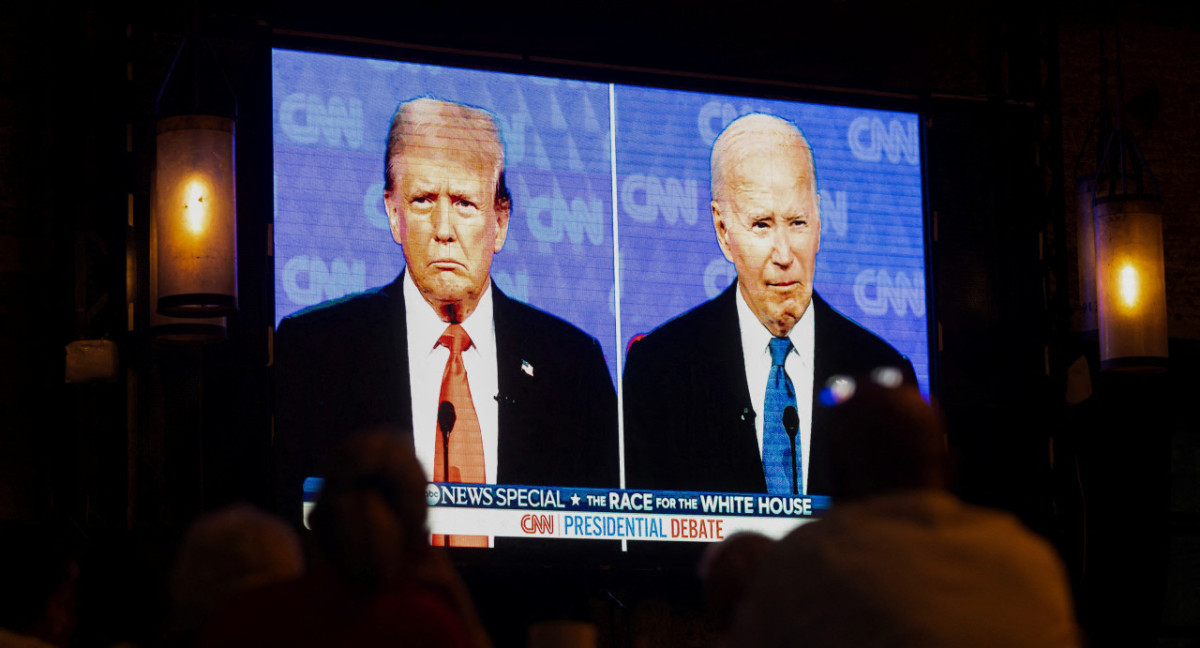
<point>574,499</point>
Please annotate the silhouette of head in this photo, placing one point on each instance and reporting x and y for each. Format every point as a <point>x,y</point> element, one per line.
<point>369,520</point>
<point>884,437</point>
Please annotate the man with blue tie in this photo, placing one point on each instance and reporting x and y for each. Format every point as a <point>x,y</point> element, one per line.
<point>721,397</point>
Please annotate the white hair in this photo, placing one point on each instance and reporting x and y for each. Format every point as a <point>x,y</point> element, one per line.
<point>751,135</point>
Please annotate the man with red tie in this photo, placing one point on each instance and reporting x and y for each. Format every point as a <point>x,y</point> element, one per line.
<point>493,390</point>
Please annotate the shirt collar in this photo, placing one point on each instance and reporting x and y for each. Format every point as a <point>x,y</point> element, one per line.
<point>756,337</point>
<point>423,320</point>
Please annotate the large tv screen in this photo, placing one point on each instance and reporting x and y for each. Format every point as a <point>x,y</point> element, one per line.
<point>585,416</point>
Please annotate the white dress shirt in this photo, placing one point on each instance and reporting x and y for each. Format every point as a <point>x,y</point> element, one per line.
<point>756,355</point>
<point>427,362</point>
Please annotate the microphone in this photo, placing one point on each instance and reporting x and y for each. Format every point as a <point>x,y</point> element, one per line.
<point>791,423</point>
<point>446,418</point>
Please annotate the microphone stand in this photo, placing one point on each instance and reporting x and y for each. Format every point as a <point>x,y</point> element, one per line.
<point>446,418</point>
<point>791,423</point>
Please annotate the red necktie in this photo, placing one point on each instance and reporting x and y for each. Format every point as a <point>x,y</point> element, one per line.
<point>466,441</point>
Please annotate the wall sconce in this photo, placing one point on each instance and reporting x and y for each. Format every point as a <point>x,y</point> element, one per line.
<point>1131,281</point>
<point>1121,243</point>
<point>195,212</point>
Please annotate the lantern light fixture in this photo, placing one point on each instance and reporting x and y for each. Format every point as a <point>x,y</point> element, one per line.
<point>1121,264</point>
<point>195,215</point>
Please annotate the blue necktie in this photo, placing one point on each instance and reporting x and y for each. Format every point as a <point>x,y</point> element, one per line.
<point>777,448</point>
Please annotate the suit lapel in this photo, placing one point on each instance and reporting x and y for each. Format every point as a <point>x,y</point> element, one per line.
<point>730,371</point>
<point>825,351</point>
<point>728,376</point>
<point>395,354</point>
<point>508,360</point>
<point>512,388</point>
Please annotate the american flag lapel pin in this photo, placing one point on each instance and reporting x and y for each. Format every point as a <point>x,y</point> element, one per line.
<point>527,368</point>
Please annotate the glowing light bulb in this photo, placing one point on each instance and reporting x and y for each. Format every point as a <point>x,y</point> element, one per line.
<point>1128,286</point>
<point>195,209</point>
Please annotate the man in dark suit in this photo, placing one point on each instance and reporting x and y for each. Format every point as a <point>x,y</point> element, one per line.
<point>722,398</point>
<point>531,393</point>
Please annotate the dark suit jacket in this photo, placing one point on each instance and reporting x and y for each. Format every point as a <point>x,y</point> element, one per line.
<point>689,424</point>
<point>342,366</point>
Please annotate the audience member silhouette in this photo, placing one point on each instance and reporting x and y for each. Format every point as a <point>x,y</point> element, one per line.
<point>899,561</point>
<point>374,580</point>
<point>726,569</point>
<point>39,581</point>
<point>233,549</point>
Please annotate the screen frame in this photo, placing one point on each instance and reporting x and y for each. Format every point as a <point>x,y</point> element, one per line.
<point>676,557</point>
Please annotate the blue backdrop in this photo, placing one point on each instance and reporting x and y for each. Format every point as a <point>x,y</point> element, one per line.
<point>574,149</point>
